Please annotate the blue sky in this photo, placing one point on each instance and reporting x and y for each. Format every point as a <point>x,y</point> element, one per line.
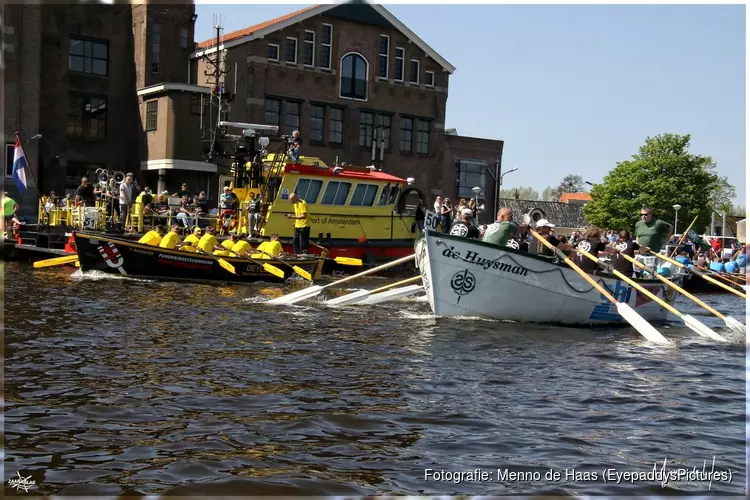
<point>574,89</point>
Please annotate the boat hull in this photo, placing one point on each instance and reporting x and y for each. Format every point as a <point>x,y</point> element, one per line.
<point>696,284</point>
<point>128,258</point>
<point>464,277</point>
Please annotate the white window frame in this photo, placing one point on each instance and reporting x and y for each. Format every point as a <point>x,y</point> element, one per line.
<point>278,51</point>
<point>432,73</point>
<point>7,150</point>
<point>367,76</point>
<point>296,50</point>
<point>401,60</point>
<point>410,80</point>
<point>305,42</point>
<point>387,57</point>
<point>330,47</point>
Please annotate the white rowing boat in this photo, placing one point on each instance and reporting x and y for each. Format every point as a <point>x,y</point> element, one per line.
<point>465,277</point>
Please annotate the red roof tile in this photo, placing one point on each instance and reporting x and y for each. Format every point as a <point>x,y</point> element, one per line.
<point>575,196</point>
<point>252,29</point>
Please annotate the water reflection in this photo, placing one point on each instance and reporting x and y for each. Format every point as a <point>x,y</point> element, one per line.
<point>117,386</point>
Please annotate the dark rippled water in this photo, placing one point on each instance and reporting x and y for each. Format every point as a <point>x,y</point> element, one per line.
<point>116,386</point>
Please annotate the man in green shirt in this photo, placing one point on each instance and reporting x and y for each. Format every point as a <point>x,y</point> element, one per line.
<point>10,208</point>
<point>501,231</point>
<point>650,233</point>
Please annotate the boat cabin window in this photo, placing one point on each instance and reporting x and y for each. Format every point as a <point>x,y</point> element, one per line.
<point>336,193</point>
<point>364,195</point>
<point>309,189</point>
<point>389,195</point>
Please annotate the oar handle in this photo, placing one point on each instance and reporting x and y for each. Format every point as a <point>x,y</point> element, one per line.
<point>373,270</point>
<point>577,269</point>
<point>632,283</point>
<point>674,285</point>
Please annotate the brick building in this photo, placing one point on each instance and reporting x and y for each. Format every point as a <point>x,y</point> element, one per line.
<point>351,77</point>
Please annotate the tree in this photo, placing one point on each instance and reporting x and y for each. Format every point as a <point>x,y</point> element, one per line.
<point>524,193</point>
<point>662,174</point>
<point>723,195</point>
<point>550,194</point>
<point>570,184</point>
<point>739,211</point>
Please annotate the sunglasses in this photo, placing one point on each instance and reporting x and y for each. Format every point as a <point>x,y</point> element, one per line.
<point>643,215</point>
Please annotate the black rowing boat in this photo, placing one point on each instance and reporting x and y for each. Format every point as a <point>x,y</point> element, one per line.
<point>128,258</point>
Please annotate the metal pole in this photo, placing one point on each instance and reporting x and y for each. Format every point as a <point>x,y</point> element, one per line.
<point>723,226</point>
<point>712,232</point>
<point>675,220</point>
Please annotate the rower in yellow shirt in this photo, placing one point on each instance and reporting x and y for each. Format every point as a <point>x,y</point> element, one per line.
<point>190,243</point>
<point>268,249</point>
<point>242,248</point>
<point>223,250</point>
<point>172,238</point>
<point>153,237</point>
<point>208,243</point>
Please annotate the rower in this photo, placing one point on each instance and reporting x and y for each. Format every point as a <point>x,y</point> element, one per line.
<point>626,246</point>
<point>208,243</point>
<point>544,228</point>
<point>224,250</point>
<point>242,248</point>
<point>194,238</point>
<point>502,230</point>
<point>172,239</point>
<point>270,248</point>
<point>465,227</point>
<point>153,237</point>
<point>592,244</point>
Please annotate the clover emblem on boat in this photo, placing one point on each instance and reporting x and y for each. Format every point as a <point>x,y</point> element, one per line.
<point>463,283</point>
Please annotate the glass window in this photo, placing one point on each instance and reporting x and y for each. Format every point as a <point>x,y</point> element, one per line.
<point>309,189</point>
<point>471,173</point>
<point>326,41</point>
<point>335,125</point>
<point>87,117</point>
<point>364,195</point>
<point>308,50</point>
<point>273,52</point>
<point>383,56</point>
<point>152,115</point>
<point>423,136</point>
<point>383,125</point>
<point>291,117</point>
<point>399,70</point>
<point>336,193</point>
<point>405,133</point>
<point>87,57</point>
<point>354,77</point>
<point>365,128</point>
<point>273,114</point>
<point>290,54</point>
<point>317,119</point>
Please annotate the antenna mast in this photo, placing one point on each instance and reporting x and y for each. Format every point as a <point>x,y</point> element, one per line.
<point>219,99</point>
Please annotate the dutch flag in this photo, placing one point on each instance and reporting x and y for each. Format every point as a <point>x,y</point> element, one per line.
<point>19,167</point>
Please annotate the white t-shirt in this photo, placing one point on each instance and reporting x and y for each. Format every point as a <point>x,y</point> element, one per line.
<point>126,194</point>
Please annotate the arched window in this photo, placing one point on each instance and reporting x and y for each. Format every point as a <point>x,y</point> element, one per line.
<point>354,71</point>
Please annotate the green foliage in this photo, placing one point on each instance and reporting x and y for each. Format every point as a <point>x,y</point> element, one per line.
<point>570,184</point>
<point>550,194</point>
<point>662,174</point>
<point>524,193</point>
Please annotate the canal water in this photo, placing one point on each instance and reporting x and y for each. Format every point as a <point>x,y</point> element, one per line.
<point>116,386</point>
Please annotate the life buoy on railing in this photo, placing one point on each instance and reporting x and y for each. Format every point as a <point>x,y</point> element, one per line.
<point>401,204</point>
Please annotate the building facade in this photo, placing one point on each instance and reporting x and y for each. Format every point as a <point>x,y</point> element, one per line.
<point>356,82</point>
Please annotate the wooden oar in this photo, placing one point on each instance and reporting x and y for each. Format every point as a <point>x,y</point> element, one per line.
<point>223,263</point>
<point>730,322</point>
<point>312,291</point>
<point>278,272</point>
<point>360,295</point>
<point>718,274</point>
<point>57,261</point>
<point>689,321</point>
<point>699,273</point>
<point>628,313</point>
<point>347,261</point>
<point>684,234</point>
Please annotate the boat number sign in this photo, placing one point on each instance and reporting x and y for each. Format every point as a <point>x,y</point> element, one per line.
<point>463,283</point>
<point>431,221</point>
<point>485,263</point>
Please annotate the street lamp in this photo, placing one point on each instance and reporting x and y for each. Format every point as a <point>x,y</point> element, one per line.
<point>476,190</point>
<point>676,209</point>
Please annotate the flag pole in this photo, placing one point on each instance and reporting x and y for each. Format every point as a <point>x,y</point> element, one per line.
<point>28,163</point>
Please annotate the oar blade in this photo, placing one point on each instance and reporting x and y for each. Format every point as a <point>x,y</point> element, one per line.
<point>349,298</point>
<point>297,296</point>
<point>274,270</point>
<point>226,265</point>
<point>701,329</point>
<point>57,261</point>
<point>348,261</point>
<point>734,324</point>
<point>302,273</point>
<point>394,294</point>
<point>641,325</point>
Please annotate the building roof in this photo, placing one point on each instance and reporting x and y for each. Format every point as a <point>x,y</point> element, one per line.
<point>575,196</point>
<point>558,213</point>
<point>265,28</point>
<point>348,174</point>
